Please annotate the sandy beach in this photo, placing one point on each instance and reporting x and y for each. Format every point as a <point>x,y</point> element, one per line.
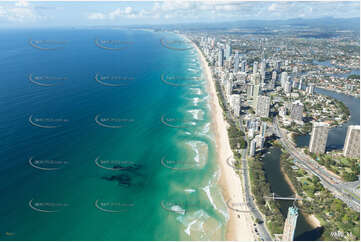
<point>239,227</point>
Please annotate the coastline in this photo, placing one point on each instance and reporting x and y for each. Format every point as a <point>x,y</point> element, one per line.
<point>238,228</point>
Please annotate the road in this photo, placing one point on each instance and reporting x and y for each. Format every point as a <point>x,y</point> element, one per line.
<point>261,228</point>
<point>264,234</point>
<point>328,180</point>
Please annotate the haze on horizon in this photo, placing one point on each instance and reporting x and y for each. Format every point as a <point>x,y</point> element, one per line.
<point>62,14</point>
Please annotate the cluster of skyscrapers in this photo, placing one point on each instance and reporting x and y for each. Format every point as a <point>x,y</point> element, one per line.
<point>237,77</point>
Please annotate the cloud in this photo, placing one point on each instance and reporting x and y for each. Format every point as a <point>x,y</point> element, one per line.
<point>273,7</point>
<point>22,3</point>
<point>96,16</point>
<point>187,11</point>
<point>21,11</point>
<point>126,12</point>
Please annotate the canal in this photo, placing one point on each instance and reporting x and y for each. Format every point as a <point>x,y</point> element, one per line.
<point>271,160</point>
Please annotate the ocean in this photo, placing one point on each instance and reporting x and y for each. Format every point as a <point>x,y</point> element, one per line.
<point>105,135</point>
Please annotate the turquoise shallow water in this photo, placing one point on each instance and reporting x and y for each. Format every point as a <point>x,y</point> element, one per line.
<point>83,160</point>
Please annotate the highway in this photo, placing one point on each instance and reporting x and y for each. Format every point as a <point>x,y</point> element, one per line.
<point>328,180</point>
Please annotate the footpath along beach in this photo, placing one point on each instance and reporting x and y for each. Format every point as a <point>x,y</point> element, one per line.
<point>238,227</point>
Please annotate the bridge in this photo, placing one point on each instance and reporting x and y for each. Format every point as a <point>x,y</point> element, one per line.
<point>277,197</point>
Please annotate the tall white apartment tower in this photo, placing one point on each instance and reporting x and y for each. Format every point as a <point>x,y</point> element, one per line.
<point>318,138</point>
<point>255,67</point>
<point>262,106</point>
<point>220,57</point>
<point>351,147</point>
<point>236,62</point>
<point>284,78</point>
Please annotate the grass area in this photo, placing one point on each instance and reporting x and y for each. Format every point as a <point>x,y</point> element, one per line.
<point>333,213</point>
<point>347,168</point>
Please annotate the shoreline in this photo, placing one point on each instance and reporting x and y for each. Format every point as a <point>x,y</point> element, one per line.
<point>339,92</point>
<point>310,218</point>
<point>238,227</point>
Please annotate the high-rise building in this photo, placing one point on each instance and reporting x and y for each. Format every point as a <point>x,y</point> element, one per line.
<point>255,67</point>
<point>318,138</point>
<point>290,224</point>
<point>229,87</point>
<point>236,62</point>
<point>274,75</point>
<point>252,149</point>
<point>262,106</point>
<point>297,111</point>
<point>300,85</point>
<point>263,66</point>
<point>287,87</point>
<point>250,91</point>
<point>261,142</point>
<point>272,84</point>
<point>294,84</point>
<point>256,91</point>
<point>263,129</point>
<point>351,147</point>
<point>278,66</point>
<point>220,57</point>
<point>243,65</point>
<point>311,88</point>
<point>256,78</point>
<point>228,50</point>
<point>236,104</point>
<point>284,78</point>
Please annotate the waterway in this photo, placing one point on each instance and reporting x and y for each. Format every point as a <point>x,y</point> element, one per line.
<point>336,135</point>
<point>336,138</point>
<point>304,231</point>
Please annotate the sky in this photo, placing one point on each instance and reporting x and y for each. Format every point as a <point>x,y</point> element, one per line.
<point>24,13</point>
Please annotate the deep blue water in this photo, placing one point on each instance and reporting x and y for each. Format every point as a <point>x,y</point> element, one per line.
<point>132,180</point>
